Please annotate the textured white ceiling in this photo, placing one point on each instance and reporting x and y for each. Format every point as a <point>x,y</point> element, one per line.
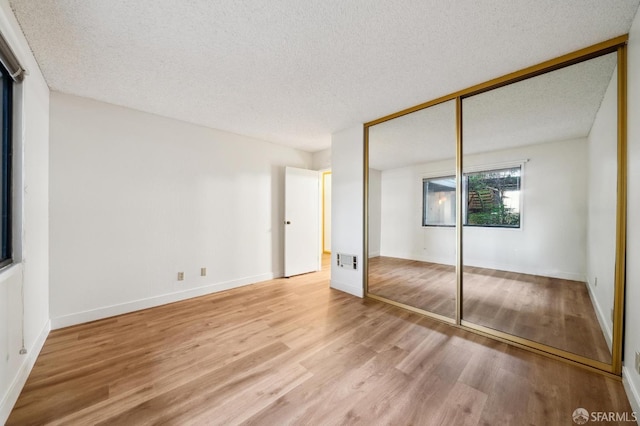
<point>556,106</point>
<point>420,137</point>
<point>293,72</point>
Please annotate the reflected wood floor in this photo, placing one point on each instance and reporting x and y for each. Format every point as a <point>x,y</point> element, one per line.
<point>294,351</point>
<point>553,311</point>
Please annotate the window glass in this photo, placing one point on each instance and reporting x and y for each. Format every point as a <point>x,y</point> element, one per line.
<point>439,201</point>
<point>493,198</point>
<point>6,86</point>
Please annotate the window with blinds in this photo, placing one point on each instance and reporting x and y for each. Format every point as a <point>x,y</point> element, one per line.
<point>11,72</point>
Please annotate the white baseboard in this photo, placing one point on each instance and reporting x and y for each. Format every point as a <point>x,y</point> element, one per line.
<point>633,393</point>
<point>374,254</point>
<point>422,257</point>
<point>602,318</point>
<point>437,259</point>
<point>9,400</point>
<point>347,288</point>
<point>563,275</point>
<point>136,305</point>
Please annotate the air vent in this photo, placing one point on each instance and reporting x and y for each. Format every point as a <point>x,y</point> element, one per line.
<point>347,261</point>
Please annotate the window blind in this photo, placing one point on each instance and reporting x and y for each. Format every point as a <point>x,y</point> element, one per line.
<point>9,60</point>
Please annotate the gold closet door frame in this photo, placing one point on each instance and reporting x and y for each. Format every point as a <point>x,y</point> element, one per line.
<point>618,45</point>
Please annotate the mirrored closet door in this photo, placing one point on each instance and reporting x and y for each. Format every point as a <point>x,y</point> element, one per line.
<point>501,209</point>
<point>540,168</point>
<point>411,210</point>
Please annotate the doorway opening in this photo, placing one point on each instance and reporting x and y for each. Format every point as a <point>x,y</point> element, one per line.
<point>325,205</point>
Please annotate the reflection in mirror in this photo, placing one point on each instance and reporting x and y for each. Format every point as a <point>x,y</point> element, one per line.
<point>540,167</point>
<point>411,221</point>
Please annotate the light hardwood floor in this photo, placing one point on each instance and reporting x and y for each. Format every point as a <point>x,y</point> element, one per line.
<point>552,311</point>
<point>294,351</point>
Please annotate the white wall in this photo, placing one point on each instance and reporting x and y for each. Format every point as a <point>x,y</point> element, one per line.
<point>602,202</point>
<point>321,160</point>
<point>31,247</point>
<point>401,231</point>
<point>632,312</point>
<point>402,234</point>
<point>551,241</point>
<point>347,207</point>
<point>375,206</point>
<point>137,198</point>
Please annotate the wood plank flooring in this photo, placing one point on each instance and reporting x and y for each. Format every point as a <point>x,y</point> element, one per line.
<point>552,311</point>
<point>428,286</point>
<point>294,351</point>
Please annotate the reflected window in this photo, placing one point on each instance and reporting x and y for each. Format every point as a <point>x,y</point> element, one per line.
<point>493,198</point>
<point>439,201</point>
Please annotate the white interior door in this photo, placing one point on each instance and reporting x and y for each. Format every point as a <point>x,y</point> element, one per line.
<point>301,235</point>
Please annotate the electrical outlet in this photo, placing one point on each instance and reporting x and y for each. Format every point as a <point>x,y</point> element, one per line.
<point>638,362</point>
<point>203,272</point>
<point>180,276</point>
